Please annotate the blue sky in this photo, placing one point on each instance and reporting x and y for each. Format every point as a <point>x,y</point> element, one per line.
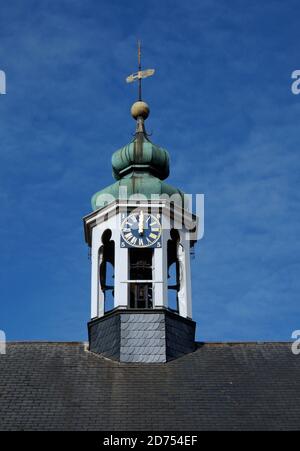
<point>221,103</point>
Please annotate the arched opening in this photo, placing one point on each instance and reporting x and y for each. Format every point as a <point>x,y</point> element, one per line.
<point>140,274</point>
<point>106,268</point>
<point>173,270</point>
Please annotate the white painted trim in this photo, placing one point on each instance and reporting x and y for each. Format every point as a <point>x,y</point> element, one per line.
<point>99,216</point>
<point>142,281</point>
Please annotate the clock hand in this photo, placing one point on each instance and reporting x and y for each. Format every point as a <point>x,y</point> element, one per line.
<point>141,223</point>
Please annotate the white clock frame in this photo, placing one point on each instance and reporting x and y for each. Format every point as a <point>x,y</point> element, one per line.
<point>125,243</point>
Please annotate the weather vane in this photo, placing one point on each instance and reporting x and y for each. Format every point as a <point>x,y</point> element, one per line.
<point>140,74</point>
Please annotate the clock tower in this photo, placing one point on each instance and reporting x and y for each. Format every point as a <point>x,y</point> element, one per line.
<point>141,233</point>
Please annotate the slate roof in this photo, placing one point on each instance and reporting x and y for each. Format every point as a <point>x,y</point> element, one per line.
<point>62,386</point>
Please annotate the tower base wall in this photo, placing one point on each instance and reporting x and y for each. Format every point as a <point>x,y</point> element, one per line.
<point>148,336</point>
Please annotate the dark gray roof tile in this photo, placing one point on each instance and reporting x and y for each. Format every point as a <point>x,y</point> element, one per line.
<point>61,386</point>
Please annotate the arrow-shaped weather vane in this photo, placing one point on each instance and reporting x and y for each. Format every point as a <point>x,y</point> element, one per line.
<point>140,74</point>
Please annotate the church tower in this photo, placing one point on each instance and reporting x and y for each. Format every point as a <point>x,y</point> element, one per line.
<point>141,233</point>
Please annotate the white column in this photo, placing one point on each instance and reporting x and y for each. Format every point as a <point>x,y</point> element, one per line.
<point>185,292</point>
<point>97,295</point>
<point>101,293</point>
<point>121,271</point>
<point>160,276</point>
<point>121,276</point>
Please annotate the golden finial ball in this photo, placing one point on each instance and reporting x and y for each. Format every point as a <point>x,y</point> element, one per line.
<point>140,109</point>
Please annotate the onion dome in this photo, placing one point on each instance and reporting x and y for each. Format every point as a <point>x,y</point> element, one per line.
<point>139,167</point>
<point>141,156</point>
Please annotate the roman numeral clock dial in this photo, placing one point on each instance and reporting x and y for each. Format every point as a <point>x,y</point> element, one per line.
<point>140,229</point>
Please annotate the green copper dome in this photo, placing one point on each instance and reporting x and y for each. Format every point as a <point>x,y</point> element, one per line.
<point>139,168</point>
<point>145,185</point>
<point>141,156</point>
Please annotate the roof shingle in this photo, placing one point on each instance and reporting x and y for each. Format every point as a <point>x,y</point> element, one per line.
<point>62,386</point>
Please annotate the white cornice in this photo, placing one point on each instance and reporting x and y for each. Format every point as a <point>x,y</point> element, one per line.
<point>176,213</point>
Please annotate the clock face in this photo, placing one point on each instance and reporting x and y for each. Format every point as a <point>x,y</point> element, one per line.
<point>141,229</point>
